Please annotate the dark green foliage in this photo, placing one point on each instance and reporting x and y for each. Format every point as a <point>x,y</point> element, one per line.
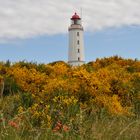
<point>26,100</point>
<point>10,86</point>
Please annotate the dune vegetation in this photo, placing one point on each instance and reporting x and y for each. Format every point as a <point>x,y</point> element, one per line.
<point>99,100</point>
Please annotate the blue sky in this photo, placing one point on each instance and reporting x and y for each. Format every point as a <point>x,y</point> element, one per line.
<point>37,30</point>
<point>124,41</point>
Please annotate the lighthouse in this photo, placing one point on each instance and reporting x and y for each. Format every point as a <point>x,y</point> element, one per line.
<point>76,42</point>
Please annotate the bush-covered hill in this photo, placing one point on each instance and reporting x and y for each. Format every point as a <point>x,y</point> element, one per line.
<point>57,101</point>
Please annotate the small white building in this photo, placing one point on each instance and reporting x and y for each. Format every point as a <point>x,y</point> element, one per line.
<point>76,42</point>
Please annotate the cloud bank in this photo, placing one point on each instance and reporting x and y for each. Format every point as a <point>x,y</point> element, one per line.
<point>28,18</point>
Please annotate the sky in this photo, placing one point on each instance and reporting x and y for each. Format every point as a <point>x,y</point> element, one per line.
<point>37,30</point>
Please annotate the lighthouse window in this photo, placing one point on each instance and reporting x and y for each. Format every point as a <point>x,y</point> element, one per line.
<point>78,42</point>
<point>78,50</point>
<point>77,33</point>
<point>78,58</point>
<point>75,21</point>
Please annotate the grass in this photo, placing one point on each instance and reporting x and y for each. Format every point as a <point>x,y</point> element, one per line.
<point>105,128</point>
<point>86,126</point>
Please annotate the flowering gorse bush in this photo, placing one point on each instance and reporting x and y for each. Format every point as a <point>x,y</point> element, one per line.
<point>60,97</point>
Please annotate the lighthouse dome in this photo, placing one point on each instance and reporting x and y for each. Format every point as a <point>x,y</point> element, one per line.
<point>75,16</point>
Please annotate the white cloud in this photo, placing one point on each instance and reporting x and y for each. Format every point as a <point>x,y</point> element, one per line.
<point>28,18</point>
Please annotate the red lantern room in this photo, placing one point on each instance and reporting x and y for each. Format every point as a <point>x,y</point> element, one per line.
<point>75,16</point>
<point>76,19</point>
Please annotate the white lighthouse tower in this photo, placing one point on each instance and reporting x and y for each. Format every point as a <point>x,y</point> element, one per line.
<point>76,42</point>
